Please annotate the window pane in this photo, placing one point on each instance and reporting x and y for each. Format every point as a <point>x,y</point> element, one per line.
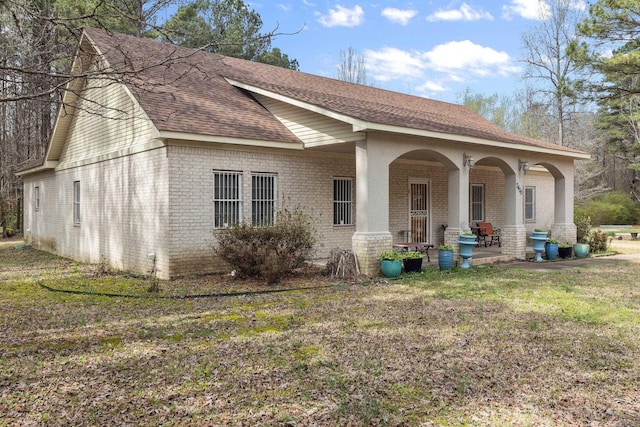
<point>343,201</point>
<point>263,199</point>
<point>76,202</point>
<point>477,202</point>
<point>530,203</point>
<point>227,200</point>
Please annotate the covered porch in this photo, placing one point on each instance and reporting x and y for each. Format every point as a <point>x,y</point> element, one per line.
<point>412,189</point>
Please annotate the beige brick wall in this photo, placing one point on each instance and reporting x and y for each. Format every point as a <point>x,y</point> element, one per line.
<point>545,203</point>
<point>124,212</point>
<point>303,180</point>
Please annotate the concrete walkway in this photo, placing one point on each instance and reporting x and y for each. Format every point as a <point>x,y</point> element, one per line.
<point>574,262</point>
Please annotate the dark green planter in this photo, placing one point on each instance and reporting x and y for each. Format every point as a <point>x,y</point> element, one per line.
<point>565,252</point>
<point>412,265</point>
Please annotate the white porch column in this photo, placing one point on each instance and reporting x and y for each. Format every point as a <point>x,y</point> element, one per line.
<point>458,205</point>
<point>514,233</point>
<point>372,234</point>
<point>458,181</point>
<point>563,228</point>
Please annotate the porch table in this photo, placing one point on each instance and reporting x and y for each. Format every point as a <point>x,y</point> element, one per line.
<point>415,246</point>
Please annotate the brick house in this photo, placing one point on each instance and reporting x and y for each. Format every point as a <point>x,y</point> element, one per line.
<point>159,145</point>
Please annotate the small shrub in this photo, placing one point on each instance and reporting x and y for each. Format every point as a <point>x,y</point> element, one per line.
<point>412,255</point>
<point>269,252</point>
<point>446,248</point>
<point>391,256</point>
<point>599,241</point>
<point>583,228</point>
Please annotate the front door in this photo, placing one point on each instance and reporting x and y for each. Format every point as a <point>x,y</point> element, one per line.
<point>419,211</point>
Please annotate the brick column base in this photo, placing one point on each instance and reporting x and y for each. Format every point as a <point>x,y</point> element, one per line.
<point>564,233</point>
<point>514,240</point>
<point>367,247</point>
<point>451,236</point>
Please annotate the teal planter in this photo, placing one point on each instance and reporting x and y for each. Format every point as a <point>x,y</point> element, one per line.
<point>445,260</point>
<point>539,234</point>
<point>467,242</point>
<point>539,238</point>
<point>391,268</point>
<point>581,250</point>
<point>551,249</point>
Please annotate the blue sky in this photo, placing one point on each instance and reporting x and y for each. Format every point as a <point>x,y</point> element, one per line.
<point>435,48</point>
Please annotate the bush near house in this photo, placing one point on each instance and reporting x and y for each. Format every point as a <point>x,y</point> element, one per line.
<point>268,252</point>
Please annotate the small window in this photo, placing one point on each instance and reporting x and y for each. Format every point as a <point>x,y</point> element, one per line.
<point>529,203</point>
<point>76,202</point>
<point>227,198</point>
<point>263,198</point>
<point>476,207</point>
<point>343,201</point>
<point>36,198</point>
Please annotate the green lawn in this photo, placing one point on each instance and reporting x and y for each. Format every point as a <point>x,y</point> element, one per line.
<point>489,346</point>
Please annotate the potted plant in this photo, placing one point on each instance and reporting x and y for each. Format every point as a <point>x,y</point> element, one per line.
<point>412,261</point>
<point>551,249</point>
<point>565,250</point>
<point>391,263</point>
<point>445,257</point>
<point>583,228</point>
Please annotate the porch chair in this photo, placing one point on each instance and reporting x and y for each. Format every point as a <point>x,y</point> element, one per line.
<point>487,233</point>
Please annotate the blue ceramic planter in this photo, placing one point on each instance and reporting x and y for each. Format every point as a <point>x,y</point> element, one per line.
<point>551,249</point>
<point>445,260</point>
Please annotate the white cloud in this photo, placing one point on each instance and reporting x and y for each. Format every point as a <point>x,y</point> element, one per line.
<point>453,62</point>
<point>467,57</point>
<point>528,9</point>
<point>431,86</point>
<point>399,16</point>
<point>465,13</point>
<point>390,63</point>
<point>343,17</point>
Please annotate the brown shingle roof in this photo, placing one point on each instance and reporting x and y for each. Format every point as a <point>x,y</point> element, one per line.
<point>185,91</point>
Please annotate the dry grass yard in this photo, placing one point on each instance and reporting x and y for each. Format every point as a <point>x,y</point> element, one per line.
<point>487,347</point>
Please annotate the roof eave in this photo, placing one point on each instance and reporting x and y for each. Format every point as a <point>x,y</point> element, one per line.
<point>364,126</point>
<point>194,137</point>
<point>47,165</point>
<point>472,140</point>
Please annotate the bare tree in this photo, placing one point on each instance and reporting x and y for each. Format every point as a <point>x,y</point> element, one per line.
<point>353,67</point>
<point>548,63</point>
